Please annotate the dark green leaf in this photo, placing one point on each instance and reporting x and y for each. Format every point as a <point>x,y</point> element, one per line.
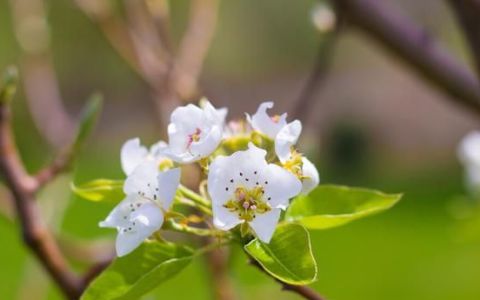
<point>87,121</point>
<point>100,190</point>
<point>330,206</point>
<point>288,257</point>
<point>136,274</point>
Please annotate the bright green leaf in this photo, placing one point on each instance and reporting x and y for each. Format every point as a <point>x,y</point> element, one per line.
<point>139,272</point>
<point>288,257</point>
<point>100,190</point>
<point>330,206</point>
<point>87,120</point>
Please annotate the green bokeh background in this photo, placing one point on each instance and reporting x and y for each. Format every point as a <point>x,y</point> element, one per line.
<point>414,251</point>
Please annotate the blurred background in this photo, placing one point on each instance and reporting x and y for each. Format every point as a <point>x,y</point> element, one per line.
<point>369,120</point>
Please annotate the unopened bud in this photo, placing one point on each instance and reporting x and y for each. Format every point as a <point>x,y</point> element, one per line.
<point>323,17</point>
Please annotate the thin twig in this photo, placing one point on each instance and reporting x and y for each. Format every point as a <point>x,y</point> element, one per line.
<point>468,15</point>
<point>415,47</point>
<point>194,46</point>
<point>217,263</point>
<point>145,43</point>
<point>35,233</point>
<point>301,290</point>
<point>317,76</point>
<point>60,164</point>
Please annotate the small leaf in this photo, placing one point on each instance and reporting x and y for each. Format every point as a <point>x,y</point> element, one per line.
<point>136,274</point>
<point>87,120</point>
<point>100,190</point>
<point>330,206</point>
<point>288,257</point>
<point>8,86</point>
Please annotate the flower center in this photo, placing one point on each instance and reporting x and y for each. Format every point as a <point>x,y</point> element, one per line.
<point>275,118</point>
<point>294,164</point>
<point>194,137</point>
<point>247,203</point>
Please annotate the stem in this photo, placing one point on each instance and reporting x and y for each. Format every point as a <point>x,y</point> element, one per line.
<point>415,47</point>
<point>171,225</point>
<point>301,290</point>
<point>35,233</point>
<point>185,201</point>
<point>194,196</point>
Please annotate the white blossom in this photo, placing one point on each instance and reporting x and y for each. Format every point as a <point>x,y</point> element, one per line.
<point>149,193</point>
<point>262,122</point>
<point>469,155</point>
<point>133,153</point>
<point>194,132</point>
<point>286,138</point>
<point>245,188</point>
<point>310,175</point>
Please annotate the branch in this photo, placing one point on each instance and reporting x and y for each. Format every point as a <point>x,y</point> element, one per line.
<point>217,262</point>
<point>321,65</point>
<point>194,46</point>
<point>145,43</point>
<point>35,233</point>
<point>301,290</point>
<point>468,15</point>
<point>114,29</point>
<point>415,47</point>
<point>59,165</point>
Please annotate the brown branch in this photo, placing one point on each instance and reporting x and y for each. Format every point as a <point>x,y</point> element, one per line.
<point>468,15</point>
<point>194,46</point>
<point>217,262</point>
<point>301,290</point>
<point>145,43</point>
<point>415,47</point>
<point>59,165</point>
<point>35,233</point>
<point>114,29</point>
<point>320,69</point>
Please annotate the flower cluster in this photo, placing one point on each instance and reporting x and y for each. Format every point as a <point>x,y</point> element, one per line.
<point>253,170</point>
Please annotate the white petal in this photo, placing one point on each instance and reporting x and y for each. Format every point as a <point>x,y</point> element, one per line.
<point>223,219</point>
<point>282,185</point>
<point>147,220</point>
<point>206,145</point>
<point>149,216</point>
<point>194,133</point>
<point>264,224</point>
<point>181,158</point>
<point>143,181</point>
<point>216,116</point>
<point>189,117</point>
<point>132,154</point>
<point>168,182</point>
<point>313,178</point>
<point>157,150</point>
<point>469,149</point>
<point>262,122</point>
<point>227,172</point>
<point>119,216</point>
<point>286,138</point>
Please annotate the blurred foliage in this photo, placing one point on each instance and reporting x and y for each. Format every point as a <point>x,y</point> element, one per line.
<point>410,252</point>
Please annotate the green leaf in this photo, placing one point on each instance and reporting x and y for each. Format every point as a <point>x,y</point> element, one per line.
<point>8,86</point>
<point>87,120</point>
<point>329,206</point>
<point>100,190</point>
<point>136,274</point>
<point>288,257</point>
